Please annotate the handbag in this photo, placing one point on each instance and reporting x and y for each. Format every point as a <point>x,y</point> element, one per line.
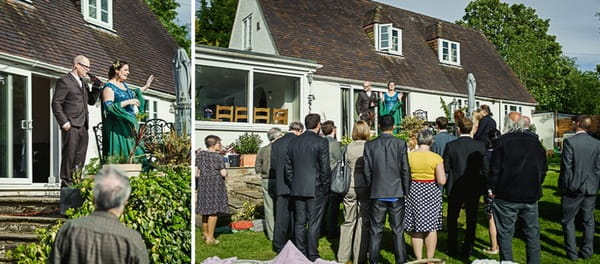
<point>340,176</point>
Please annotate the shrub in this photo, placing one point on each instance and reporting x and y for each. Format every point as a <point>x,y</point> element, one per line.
<point>159,209</point>
<point>172,150</point>
<point>247,143</point>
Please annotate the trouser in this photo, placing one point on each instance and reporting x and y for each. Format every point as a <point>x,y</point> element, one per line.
<point>330,225</point>
<point>309,210</point>
<point>354,232</point>
<point>571,204</point>
<point>471,205</point>
<point>395,210</point>
<point>505,215</point>
<point>267,188</point>
<point>284,219</point>
<point>74,149</point>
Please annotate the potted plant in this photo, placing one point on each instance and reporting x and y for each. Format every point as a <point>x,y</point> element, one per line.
<point>247,146</point>
<point>126,164</point>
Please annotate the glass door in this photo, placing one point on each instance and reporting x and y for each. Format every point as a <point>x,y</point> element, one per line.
<point>15,126</point>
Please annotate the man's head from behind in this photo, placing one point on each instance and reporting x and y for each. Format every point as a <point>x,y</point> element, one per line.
<point>386,123</point>
<point>441,122</point>
<point>273,133</point>
<point>465,125</point>
<point>582,122</point>
<point>513,123</point>
<point>111,191</point>
<point>296,127</point>
<point>328,127</point>
<point>312,121</point>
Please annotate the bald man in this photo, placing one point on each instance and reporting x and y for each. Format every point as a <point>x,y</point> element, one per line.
<point>366,102</point>
<point>579,182</point>
<point>517,170</point>
<point>69,104</point>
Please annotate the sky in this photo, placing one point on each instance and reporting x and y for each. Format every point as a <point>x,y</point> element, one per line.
<point>184,13</point>
<point>574,23</point>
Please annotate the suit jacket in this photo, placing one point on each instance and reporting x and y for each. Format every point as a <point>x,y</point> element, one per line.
<point>440,141</point>
<point>363,103</point>
<point>386,167</point>
<point>263,161</point>
<point>279,150</point>
<point>518,168</point>
<point>531,133</point>
<point>485,124</point>
<point>70,101</point>
<point>307,165</point>
<point>467,167</point>
<point>580,165</point>
<point>335,151</point>
<point>356,162</point>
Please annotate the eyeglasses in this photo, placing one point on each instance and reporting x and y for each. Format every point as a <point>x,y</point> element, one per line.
<point>84,66</point>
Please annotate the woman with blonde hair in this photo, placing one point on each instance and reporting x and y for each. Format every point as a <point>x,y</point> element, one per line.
<point>476,117</point>
<point>355,229</point>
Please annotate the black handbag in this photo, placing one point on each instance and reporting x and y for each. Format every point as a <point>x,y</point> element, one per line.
<point>340,176</point>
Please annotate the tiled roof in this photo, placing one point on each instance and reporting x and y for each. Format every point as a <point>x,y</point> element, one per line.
<point>55,31</point>
<point>331,33</point>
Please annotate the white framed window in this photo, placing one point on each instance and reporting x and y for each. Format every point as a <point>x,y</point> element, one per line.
<point>247,33</point>
<point>98,12</point>
<point>449,52</point>
<point>388,39</point>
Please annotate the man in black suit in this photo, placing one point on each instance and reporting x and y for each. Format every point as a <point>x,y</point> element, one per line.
<point>517,171</point>
<point>467,168</point>
<point>578,182</point>
<point>365,104</point>
<point>387,173</point>
<point>69,104</point>
<point>283,204</point>
<point>307,172</point>
<point>486,124</point>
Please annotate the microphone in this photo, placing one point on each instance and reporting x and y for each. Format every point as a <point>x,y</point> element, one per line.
<point>95,80</point>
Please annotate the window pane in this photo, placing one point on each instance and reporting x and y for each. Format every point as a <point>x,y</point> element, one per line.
<point>104,5</point>
<point>222,88</point>
<point>384,37</point>
<point>92,9</point>
<point>272,95</point>
<point>104,16</point>
<point>454,50</point>
<point>395,39</point>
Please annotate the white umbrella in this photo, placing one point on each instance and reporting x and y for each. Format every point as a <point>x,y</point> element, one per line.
<point>181,72</point>
<point>471,87</point>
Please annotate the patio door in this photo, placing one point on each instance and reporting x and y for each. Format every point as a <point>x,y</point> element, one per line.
<point>15,126</point>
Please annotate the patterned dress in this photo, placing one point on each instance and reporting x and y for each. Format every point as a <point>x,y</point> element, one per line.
<point>212,193</point>
<point>423,208</point>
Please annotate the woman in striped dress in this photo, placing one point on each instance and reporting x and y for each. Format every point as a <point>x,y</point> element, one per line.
<point>423,215</point>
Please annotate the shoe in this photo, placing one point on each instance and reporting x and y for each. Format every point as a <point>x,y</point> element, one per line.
<point>212,242</point>
<point>489,251</point>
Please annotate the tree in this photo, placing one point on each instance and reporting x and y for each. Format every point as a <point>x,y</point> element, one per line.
<point>165,11</point>
<point>215,21</point>
<point>521,38</point>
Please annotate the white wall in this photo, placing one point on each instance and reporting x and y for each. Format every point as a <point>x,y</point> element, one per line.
<point>327,100</point>
<point>261,39</point>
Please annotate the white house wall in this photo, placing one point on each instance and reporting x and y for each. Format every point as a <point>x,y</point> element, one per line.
<point>261,39</point>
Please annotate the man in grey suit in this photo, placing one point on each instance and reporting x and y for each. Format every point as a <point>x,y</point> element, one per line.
<point>388,174</point>
<point>443,137</point>
<point>263,167</point>
<point>69,104</point>
<point>284,204</point>
<point>578,182</point>
<point>307,172</point>
<point>330,223</point>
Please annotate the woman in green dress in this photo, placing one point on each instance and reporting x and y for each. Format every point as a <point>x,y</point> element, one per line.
<point>120,104</point>
<point>391,104</point>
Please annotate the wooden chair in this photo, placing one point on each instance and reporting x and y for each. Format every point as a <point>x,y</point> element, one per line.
<point>224,113</point>
<point>262,114</point>
<point>280,116</point>
<point>241,113</point>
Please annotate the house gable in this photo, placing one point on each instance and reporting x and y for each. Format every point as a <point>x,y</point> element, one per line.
<point>55,33</point>
<point>249,24</point>
<point>333,34</point>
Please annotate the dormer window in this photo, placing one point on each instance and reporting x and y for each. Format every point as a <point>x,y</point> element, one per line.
<point>247,33</point>
<point>449,52</point>
<point>98,12</point>
<point>388,39</point>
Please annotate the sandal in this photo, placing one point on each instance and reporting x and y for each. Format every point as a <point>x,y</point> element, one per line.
<point>212,242</point>
<point>490,251</point>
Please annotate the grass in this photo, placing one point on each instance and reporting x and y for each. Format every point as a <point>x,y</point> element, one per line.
<point>250,245</point>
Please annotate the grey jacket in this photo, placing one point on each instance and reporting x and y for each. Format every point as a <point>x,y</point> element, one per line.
<point>387,171</point>
<point>580,165</point>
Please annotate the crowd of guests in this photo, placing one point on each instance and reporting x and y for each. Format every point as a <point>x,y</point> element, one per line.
<point>405,186</point>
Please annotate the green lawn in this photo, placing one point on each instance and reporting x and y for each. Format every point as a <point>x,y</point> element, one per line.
<point>250,245</point>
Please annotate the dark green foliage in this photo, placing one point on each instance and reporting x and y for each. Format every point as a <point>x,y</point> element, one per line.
<point>165,11</point>
<point>247,143</point>
<point>159,208</point>
<point>214,22</point>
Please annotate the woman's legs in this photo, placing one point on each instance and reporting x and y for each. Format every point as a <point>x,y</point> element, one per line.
<point>492,232</point>
<point>212,224</point>
<point>431,243</point>
<point>417,244</point>
<point>205,227</point>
